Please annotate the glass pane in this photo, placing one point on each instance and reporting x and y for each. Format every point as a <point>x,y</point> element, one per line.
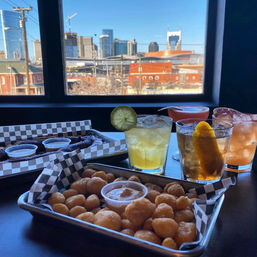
<point>137,48</point>
<point>21,70</point>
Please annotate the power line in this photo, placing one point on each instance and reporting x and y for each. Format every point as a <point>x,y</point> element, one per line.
<point>34,8</point>
<point>32,18</point>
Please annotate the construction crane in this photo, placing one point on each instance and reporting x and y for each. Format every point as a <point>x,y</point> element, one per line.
<point>69,18</point>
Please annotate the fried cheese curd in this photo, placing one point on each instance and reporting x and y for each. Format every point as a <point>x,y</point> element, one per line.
<point>165,216</point>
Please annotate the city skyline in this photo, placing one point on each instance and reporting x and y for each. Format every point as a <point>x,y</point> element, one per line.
<point>136,23</point>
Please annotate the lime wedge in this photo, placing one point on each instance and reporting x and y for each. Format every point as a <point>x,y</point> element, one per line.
<point>123,117</point>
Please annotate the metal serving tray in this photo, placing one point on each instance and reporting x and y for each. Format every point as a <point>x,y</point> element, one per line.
<point>193,249</point>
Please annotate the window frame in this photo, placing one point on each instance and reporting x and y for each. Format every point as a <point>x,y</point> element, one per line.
<point>52,34</point>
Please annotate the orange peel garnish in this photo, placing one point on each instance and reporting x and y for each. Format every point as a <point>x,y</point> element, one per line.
<point>206,148</point>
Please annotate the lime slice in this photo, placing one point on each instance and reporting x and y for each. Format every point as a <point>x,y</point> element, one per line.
<point>123,117</point>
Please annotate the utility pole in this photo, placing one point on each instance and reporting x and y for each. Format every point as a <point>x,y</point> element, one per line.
<point>121,70</point>
<point>23,26</point>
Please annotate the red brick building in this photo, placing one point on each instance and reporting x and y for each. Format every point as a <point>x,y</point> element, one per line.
<point>13,79</point>
<point>152,72</point>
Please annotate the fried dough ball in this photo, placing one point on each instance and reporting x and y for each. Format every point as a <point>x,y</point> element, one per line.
<point>153,187</point>
<point>61,208</point>
<point>165,227</point>
<point>95,184</point>
<point>186,233</point>
<point>148,236</point>
<point>108,219</point>
<point>96,210</point>
<point>87,173</point>
<point>87,216</point>
<point>166,198</point>
<point>125,223</point>
<point>56,198</point>
<point>80,185</point>
<point>104,209</point>
<point>100,174</point>
<point>76,210</point>
<point>191,201</point>
<point>176,189</point>
<point>170,243</point>
<point>192,195</point>
<point>148,224</point>
<point>167,186</point>
<point>138,211</point>
<point>92,202</point>
<point>75,200</point>
<point>182,203</point>
<point>110,177</point>
<point>163,210</point>
<point>184,215</point>
<point>128,231</point>
<point>120,179</point>
<point>134,178</point>
<point>151,195</point>
<point>70,192</point>
<point>123,215</point>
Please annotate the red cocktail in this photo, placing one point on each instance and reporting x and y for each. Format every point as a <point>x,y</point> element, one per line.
<point>188,112</point>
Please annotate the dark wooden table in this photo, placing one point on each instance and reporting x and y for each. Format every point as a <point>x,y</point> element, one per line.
<point>235,232</point>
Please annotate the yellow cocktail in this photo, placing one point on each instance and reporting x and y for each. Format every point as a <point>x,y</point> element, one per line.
<point>148,142</point>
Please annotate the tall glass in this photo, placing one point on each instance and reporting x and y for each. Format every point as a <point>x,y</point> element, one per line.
<point>203,152</point>
<point>148,143</point>
<point>187,112</point>
<point>242,146</point>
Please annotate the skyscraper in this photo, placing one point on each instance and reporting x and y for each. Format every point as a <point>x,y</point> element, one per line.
<point>70,43</point>
<point>174,40</point>
<point>106,41</point>
<point>132,47</point>
<point>85,47</point>
<point>120,46</point>
<point>37,51</point>
<point>12,34</point>
<point>153,47</point>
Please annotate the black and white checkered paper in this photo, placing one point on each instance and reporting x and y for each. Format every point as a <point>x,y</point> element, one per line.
<point>67,168</point>
<point>12,134</point>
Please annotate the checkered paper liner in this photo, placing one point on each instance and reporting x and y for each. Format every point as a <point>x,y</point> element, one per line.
<point>11,134</point>
<point>67,168</point>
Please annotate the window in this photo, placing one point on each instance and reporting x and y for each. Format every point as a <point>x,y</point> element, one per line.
<point>58,87</point>
<point>20,54</point>
<point>118,51</point>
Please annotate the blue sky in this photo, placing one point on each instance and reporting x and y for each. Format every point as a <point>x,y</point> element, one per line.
<point>144,20</point>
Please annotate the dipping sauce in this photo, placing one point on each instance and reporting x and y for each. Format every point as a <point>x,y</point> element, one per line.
<point>119,194</point>
<point>124,193</point>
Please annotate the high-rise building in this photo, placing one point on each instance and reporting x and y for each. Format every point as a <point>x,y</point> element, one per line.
<point>174,40</point>
<point>2,55</point>
<point>85,47</point>
<point>95,51</point>
<point>132,47</point>
<point>70,43</point>
<point>153,47</point>
<point>106,41</point>
<point>37,51</point>
<point>120,46</point>
<point>12,34</point>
